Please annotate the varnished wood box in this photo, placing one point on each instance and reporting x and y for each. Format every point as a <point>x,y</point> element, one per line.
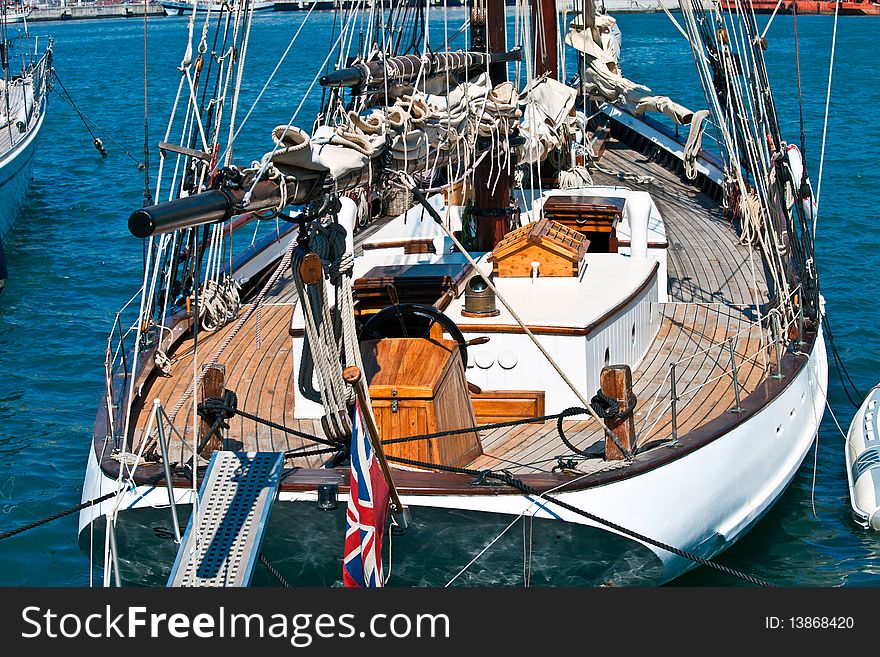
<point>558,250</point>
<point>428,284</point>
<point>418,386</point>
<point>492,406</point>
<point>595,217</point>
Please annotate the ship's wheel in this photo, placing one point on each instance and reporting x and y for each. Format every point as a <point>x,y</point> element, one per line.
<point>412,320</point>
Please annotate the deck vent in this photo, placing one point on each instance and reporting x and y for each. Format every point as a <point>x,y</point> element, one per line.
<point>479,299</point>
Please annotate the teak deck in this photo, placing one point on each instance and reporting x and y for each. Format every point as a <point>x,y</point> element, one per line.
<point>707,264</point>
<point>693,336</point>
<point>712,289</point>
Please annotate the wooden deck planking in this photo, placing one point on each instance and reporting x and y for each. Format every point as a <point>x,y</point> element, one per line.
<point>696,332</point>
<point>713,293</point>
<point>258,374</point>
<point>696,230</point>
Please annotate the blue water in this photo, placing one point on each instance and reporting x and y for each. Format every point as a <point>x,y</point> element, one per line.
<point>72,264</point>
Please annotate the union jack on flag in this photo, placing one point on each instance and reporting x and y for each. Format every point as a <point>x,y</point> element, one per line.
<point>367,511</point>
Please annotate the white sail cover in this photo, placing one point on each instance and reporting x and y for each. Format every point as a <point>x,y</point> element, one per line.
<point>599,41</point>
<point>547,104</point>
<point>417,125</point>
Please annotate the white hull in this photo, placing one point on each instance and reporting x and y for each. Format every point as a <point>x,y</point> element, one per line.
<point>702,502</point>
<point>185,8</point>
<point>15,175</point>
<point>24,100</point>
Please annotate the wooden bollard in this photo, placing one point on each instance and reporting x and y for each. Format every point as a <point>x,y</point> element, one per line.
<point>616,382</point>
<point>213,385</point>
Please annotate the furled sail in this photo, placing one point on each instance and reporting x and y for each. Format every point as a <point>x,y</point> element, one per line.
<point>598,39</point>
<point>547,104</point>
<point>415,125</point>
<point>434,122</point>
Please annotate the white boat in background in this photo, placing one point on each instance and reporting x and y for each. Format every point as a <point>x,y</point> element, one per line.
<point>17,16</point>
<point>23,100</point>
<point>863,461</point>
<point>183,8</point>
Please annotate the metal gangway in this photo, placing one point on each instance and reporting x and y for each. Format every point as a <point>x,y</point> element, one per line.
<point>234,503</point>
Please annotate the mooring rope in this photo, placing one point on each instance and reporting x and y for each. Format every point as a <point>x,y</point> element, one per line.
<point>274,571</point>
<point>89,124</point>
<point>849,387</point>
<point>507,478</point>
<point>225,407</point>
<point>56,516</point>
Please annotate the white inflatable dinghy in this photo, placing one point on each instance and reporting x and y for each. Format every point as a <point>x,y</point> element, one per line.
<point>863,461</point>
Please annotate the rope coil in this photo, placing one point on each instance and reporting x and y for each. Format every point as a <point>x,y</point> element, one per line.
<point>608,407</point>
<point>216,410</point>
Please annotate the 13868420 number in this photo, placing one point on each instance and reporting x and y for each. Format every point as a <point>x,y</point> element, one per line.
<point>820,622</point>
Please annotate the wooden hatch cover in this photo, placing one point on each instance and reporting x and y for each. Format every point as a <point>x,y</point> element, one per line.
<point>596,217</point>
<point>558,248</point>
<point>426,283</point>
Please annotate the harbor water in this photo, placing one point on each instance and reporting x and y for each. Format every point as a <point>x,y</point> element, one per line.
<point>72,262</point>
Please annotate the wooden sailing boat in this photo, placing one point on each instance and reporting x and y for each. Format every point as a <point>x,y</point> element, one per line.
<point>23,99</point>
<point>579,322</point>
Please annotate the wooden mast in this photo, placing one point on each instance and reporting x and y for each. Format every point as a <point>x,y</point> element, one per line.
<point>491,208</point>
<point>544,26</point>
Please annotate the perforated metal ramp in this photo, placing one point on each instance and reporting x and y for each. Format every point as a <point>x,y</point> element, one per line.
<point>234,502</point>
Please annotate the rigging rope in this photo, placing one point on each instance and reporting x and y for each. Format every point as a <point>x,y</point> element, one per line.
<point>734,78</point>
<point>265,87</point>
<point>827,108</point>
<point>508,479</point>
<point>89,124</point>
<point>320,339</point>
<point>148,198</point>
<point>800,95</point>
<point>267,160</point>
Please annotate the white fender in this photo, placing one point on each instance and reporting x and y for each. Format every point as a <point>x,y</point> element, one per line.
<point>347,218</point>
<point>796,165</point>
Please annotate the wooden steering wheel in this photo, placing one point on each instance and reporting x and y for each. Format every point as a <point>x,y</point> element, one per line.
<point>411,320</point>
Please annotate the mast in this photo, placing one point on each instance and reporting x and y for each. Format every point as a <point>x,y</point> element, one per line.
<point>544,37</point>
<point>491,207</point>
